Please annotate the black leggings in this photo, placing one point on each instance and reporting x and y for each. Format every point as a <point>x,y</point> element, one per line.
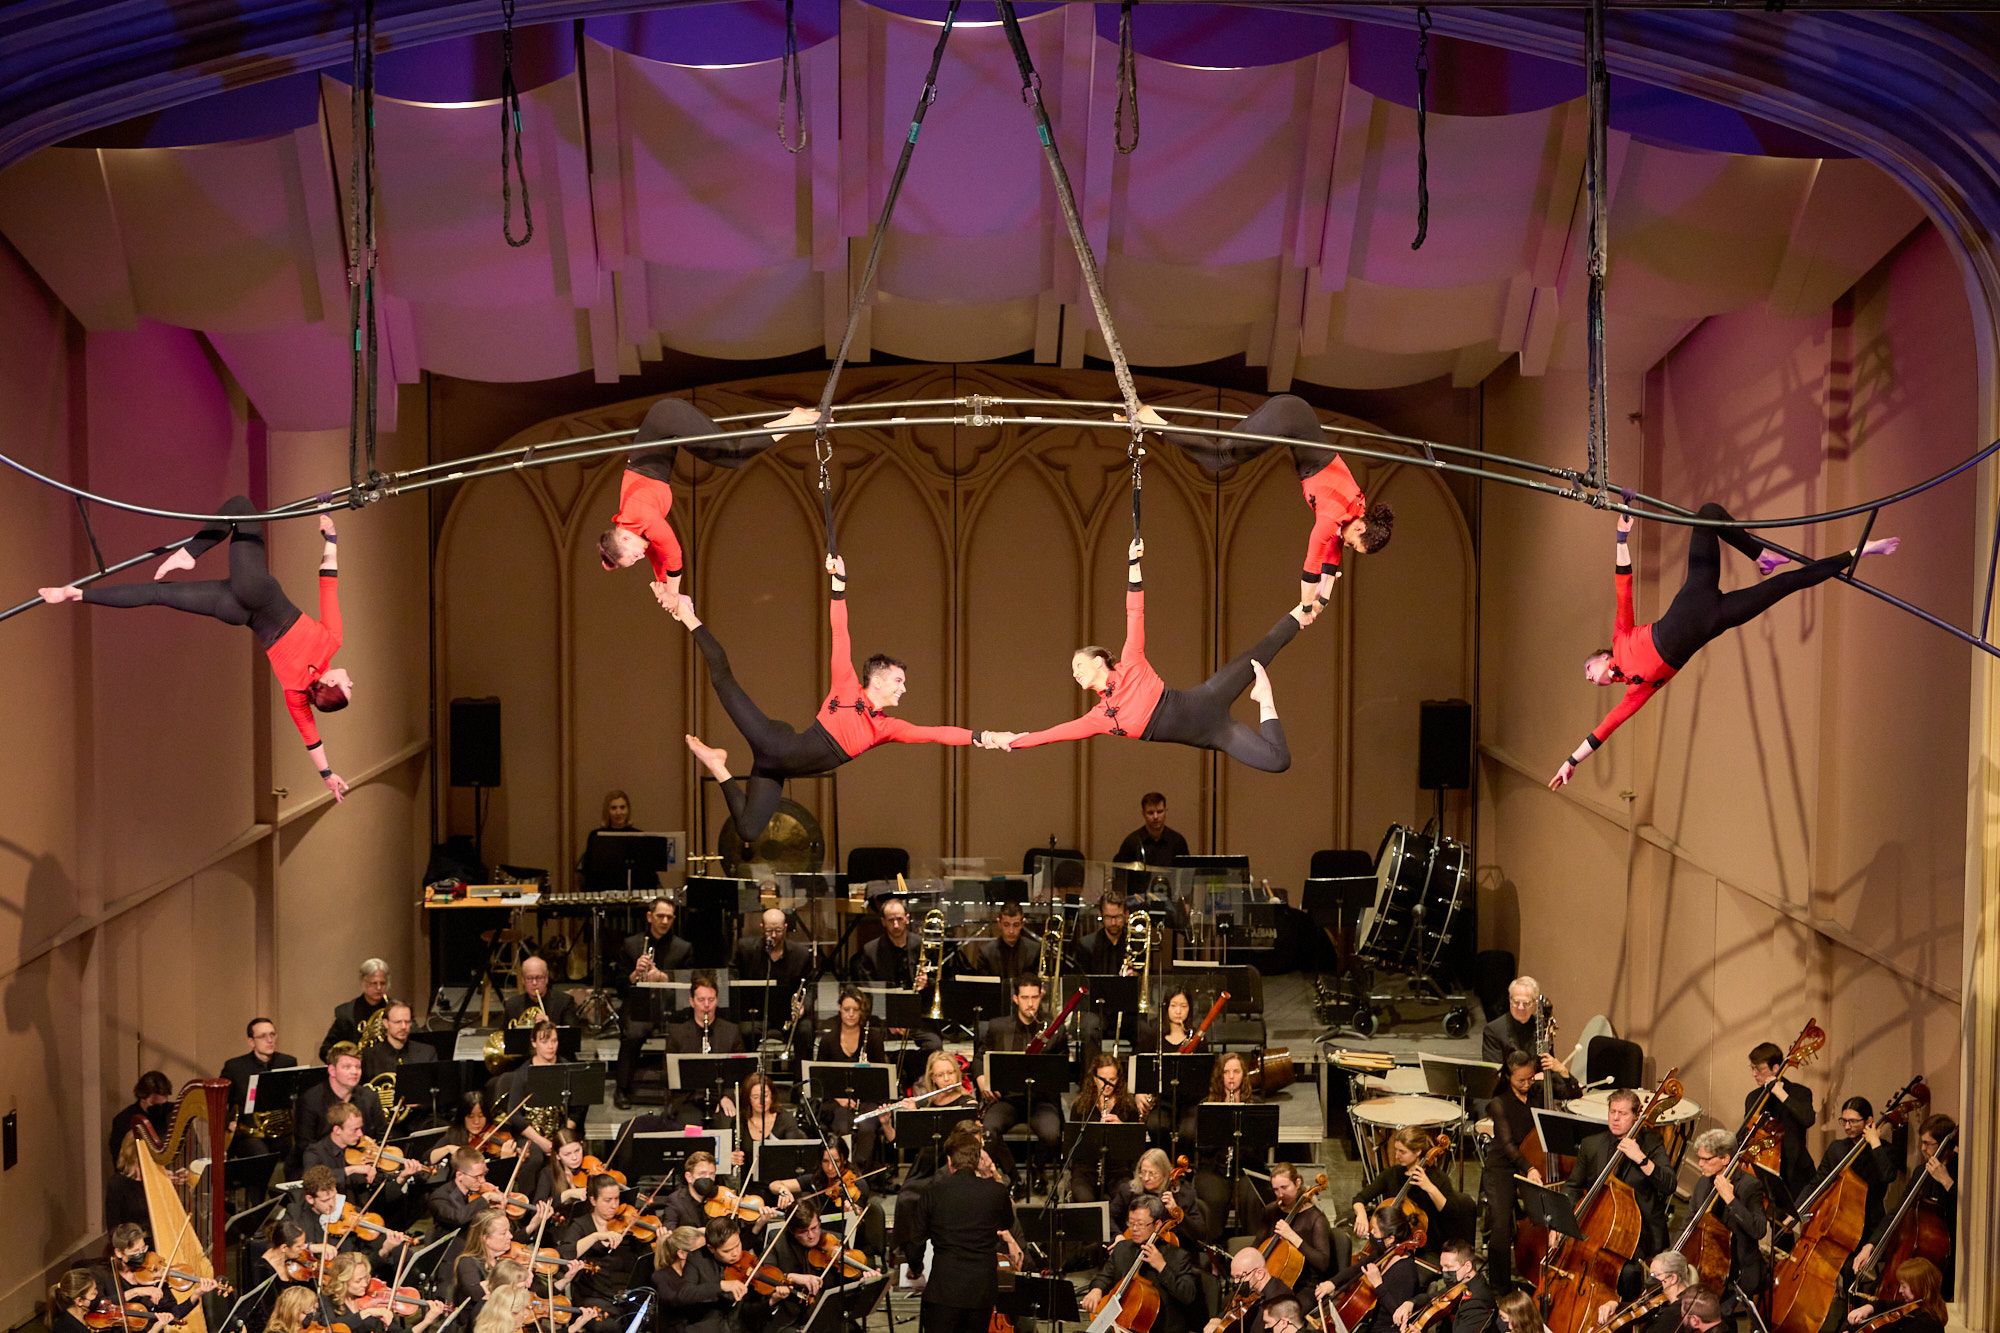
<point>1701,612</point>
<point>249,596</point>
<point>1286,415</point>
<point>671,419</point>
<point>1200,716</point>
<point>777,751</point>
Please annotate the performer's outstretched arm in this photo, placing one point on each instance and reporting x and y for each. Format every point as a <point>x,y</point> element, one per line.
<point>1635,695</point>
<point>329,616</point>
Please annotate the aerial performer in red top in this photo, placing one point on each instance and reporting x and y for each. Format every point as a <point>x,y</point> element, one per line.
<point>854,719</point>
<point>646,493</point>
<point>301,648</point>
<point>1133,701</point>
<point>1342,517</point>
<point>1643,658</point>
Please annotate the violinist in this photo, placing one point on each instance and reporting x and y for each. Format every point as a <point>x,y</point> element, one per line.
<point>1308,1231</point>
<point>1675,1277</point>
<point>1513,1125</point>
<point>1103,1097</point>
<point>1395,1282</point>
<point>1937,1180</point>
<point>1249,1291</point>
<point>485,1262</point>
<point>468,1193</point>
<point>287,1259</point>
<point>964,1212</point>
<point>836,1180</point>
<point>590,1235</point>
<point>319,1202</point>
<point>1520,1313</point>
<point>121,1274</point>
<point>293,1309</point>
<point>811,1257</point>
<point>1151,1177</point>
<point>1740,1207</point>
<point>645,957</point>
<point>1875,1164</point>
<point>262,1057</point>
<point>683,1207</point>
<point>1447,1214</point>
<point>754,1308</point>
<point>396,1049</point>
<point>474,1126</point>
<point>1166,1267</point>
<point>71,1297</point>
<point>1917,1283</point>
<point>357,1299</point>
<point>690,1284</point>
<point>508,1309</point>
<point>1283,1316</point>
<point>1013,1032</point>
<point>1644,1167</point>
<point>849,1038</point>
<point>350,1015</point>
<point>1791,1104</point>
<point>1474,1310</point>
<point>343,1131</point>
<point>1702,1311</point>
<point>343,1077</point>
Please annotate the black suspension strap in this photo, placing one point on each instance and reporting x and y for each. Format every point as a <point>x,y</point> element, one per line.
<point>1121,370</point>
<point>1423,127</point>
<point>361,256</point>
<point>1128,82</point>
<point>1597,445</point>
<point>790,88</point>
<point>858,302</point>
<point>510,138</point>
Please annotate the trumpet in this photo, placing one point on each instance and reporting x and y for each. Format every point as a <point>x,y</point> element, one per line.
<point>1139,955</point>
<point>931,957</point>
<point>1048,963</point>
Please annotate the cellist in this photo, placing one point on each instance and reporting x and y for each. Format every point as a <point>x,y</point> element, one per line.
<point>1513,1126</point>
<point>1305,1229</point>
<point>1938,1200</point>
<point>1917,1284</point>
<point>1166,1267</point>
<point>1645,1167</point>
<point>1739,1207</point>
<point>1395,1282</point>
<point>1447,1214</point>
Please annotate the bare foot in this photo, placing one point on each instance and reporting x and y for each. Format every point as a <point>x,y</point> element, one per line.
<point>1770,561</point>
<point>716,761</point>
<point>1882,546</point>
<point>1261,690</point>
<point>55,596</point>
<point>179,559</point>
<point>798,416</point>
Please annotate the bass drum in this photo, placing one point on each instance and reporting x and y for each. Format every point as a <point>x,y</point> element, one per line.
<point>1447,880</point>
<point>1402,867</point>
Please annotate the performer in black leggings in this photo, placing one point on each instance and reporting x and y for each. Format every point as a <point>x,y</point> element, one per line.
<point>1134,701</point>
<point>301,648</point>
<point>1343,520</point>
<point>1643,658</point>
<point>854,718</point>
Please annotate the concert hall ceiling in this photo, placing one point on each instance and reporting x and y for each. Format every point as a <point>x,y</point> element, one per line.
<point>1267,212</point>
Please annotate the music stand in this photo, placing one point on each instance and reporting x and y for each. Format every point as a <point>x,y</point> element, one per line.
<point>1459,1079</point>
<point>1068,1228</point>
<point>617,858</point>
<point>708,1078</point>
<point>971,1000</point>
<point>565,1085</point>
<point>1246,1131</point>
<point>1113,1147</point>
<point>520,1042</point>
<point>854,1301</point>
<point>251,1175</point>
<point>1562,1132</point>
<point>664,1153</point>
<point>754,1003</point>
<point>1115,999</point>
<point>925,1128</point>
<point>1016,1074</point>
<point>789,1159</point>
<point>1051,1298</point>
<point>279,1089</point>
<point>443,1044</point>
<point>1007,889</point>
<point>1547,1206</point>
<point>869,1084</point>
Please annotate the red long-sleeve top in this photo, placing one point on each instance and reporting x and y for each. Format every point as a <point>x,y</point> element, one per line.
<point>302,654</point>
<point>643,504</point>
<point>1336,500</point>
<point>856,725</point>
<point>1637,660</point>
<point>1130,694</point>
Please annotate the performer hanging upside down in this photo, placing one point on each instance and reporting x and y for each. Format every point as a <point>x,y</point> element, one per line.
<point>1342,517</point>
<point>301,648</point>
<point>646,492</point>
<point>854,719</point>
<point>1134,701</point>
<point>1643,658</point>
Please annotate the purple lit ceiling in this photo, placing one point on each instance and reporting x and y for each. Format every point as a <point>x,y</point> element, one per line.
<point>1267,212</point>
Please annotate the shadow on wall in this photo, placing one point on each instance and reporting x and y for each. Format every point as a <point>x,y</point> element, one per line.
<point>48,903</point>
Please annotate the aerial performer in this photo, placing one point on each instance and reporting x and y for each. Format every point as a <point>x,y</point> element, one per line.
<point>1134,702</point>
<point>854,719</point>
<point>646,493</point>
<point>1643,658</point>
<point>301,648</point>
<point>1342,517</point>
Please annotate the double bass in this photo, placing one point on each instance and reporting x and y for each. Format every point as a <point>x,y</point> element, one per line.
<point>1916,1230</point>
<point>1832,1217</point>
<point>1581,1274</point>
<point>1803,1048</point>
<point>1705,1238</point>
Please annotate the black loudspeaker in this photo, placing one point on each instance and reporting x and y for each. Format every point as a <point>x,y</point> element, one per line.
<point>475,742</point>
<point>1444,745</point>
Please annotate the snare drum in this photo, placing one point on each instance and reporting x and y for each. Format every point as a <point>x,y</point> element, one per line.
<point>1374,1121</point>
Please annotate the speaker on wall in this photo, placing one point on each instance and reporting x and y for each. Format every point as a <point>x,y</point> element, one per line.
<point>475,742</point>
<point>1444,745</point>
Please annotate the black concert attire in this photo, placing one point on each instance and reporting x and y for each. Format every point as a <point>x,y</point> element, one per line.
<point>1194,1228</point>
<point>790,971</point>
<point>1275,1290</point>
<point>239,1070</point>
<point>347,1021</point>
<point>641,1014</point>
<point>692,1300</point>
<point>1876,1167</point>
<point>125,1201</point>
<point>451,1208</point>
<point>1502,1035</point>
<point>1916,1321</point>
<point>616,1266</point>
<point>963,1216</point>
<point>1456,1219</point>
<point>1794,1116</point>
<point>1159,853</point>
<point>62,1321</point>
<point>383,1058</point>
<point>1087,1174</point>
<point>996,958</point>
<point>840,1119</point>
<point>297,1210</point>
<point>511,1090</point>
<point>1179,1284</point>
<point>872,1231</point>
<point>1477,1308</point>
<point>881,963</point>
<point>1008,1033</point>
<point>558,1006</point>
<point>1400,1282</point>
<point>1652,1191</point>
<point>642,881</point>
<point>784,1126</point>
<point>1938,1199</point>
<point>1098,955</point>
<point>721,1037</point>
<point>1513,1123</point>
<point>160,1117</point>
<point>467,1283</point>
<point>1744,1216</point>
<point>1316,1240</point>
<point>309,1117</point>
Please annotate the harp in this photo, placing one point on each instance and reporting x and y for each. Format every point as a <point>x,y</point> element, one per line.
<point>187,1210</point>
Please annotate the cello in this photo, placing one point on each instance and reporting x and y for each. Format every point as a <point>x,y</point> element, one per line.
<point>1282,1259</point>
<point>1356,1302</point>
<point>1916,1230</point>
<point>1132,1305</point>
<point>1803,1048</point>
<point>1419,1224</point>
<point>1581,1274</point>
<point>1832,1217</point>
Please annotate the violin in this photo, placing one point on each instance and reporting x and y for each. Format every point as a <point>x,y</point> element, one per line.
<point>765,1280</point>
<point>590,1166</point>
<point>514,1203</point>
<point>1890,1316</point>
<point>134,1317</point>
<point>1444,1301</point>
<point>544,1311</point>
<point>1633,1313</point>
<point>846,1191</point>
<point>367,1226</point>
<point>401,1302</point>
<point>547,1261</point>
<point>369,1153</point>
<point>153,1271</point>
<point>853,1263</point>
<point>726,1202</point>
<point>494,1142</point>
<point>299,1270</point>
<point>629,1221</point>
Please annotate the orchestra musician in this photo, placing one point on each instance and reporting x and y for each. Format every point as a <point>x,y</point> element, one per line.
<point>1395,1282</point>
<point>282,1245</point>
<point>1152,843</point>
<point>347,1285</point>
<point>1474,1311</point>
<point>511,1090</point>
<point>152,1098</point>
<point>1103,1097</point>
<point>472,1122</point>
<point>836,1182</point>
<point>343,1131</point>
<point>125,1188</point>
<point>1513,1123</point>
<point>964,1212</point>
<point>559,1007</point>
<point>476,1273</point>
<point>1228,1084</point>
<point>683,1207</point>
<point>754,1310</point>
<point>509,1309</point>
<point>1150,1177</point>
<point>1670,1271</point>
<point>1702,1310</point>
<point>72,1296</point>
<point>1740,1208</point>
<point>645,957</point>
<point>1876,1164</point>
<point>788,965</point>
<point>1515,1031</point>
<point>1937,1178</point>
<point>1172,1027</point>
<point>849,1038</point>
<point>1010,952</point>
<point>1448,1213</point>
<point>349,1015</point>
<point>295,1309</point>
<point>1644,1167</point>
<point>1013,1032</point>
<point>895,959</point>
<point>1520,1312</point>
<point>262,1057</point>
<point>689,1284</point>
<point>588,1236</point>
<point>467,1194</point>
<point>555,1184</point>
<point>1917,1281</point>
<point>1791,1103</point>
<point>763,1117</point>
<point>343,1077</point>
<point>395,1049</point>
<point>1102,951</point>
<point>703,1032</point>
<point>617,816</point>
<point>1249,1277</point>
<point>1309,1231</point>
<point>126,1253</point>
<point>1167,1267</point>
<point>317,1201</point>
<point>945,1075</point>
<point>792,1254</point>
<point>1283,1316</point>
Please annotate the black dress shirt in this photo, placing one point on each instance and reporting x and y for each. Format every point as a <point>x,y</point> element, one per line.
<point>963,1216</point>
<point>1652,1191</point>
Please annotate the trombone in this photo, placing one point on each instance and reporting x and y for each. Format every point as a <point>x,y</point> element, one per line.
<point>1139,955</point>
<point>930,937</point>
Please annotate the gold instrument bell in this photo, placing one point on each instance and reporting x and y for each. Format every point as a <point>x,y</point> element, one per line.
<point>383,1085</point>
<point>931,954</point>
<point>495,1052</point>
<point>1139,955</point>
<point>374,1028</point>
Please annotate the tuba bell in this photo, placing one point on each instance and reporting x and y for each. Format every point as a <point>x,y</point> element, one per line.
<point>931,957</point>
<point>495,1052</point>
<point>1139,955</point>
